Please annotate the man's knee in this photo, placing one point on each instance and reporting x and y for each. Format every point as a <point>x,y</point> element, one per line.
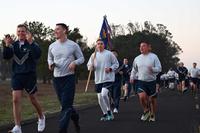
<point>104,92</point>
<point>16,100</point>
<point>152,99</point>
<point>32,98</point>
<point>16,97</point>
<point>142,96</point>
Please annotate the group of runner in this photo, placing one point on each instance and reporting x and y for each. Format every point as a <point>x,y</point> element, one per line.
<point>110,75</point>
<point>142,75</point>
<point>181,78</point>
<point>63,56</point>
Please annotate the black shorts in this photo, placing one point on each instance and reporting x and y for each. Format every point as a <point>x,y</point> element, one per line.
<point>194,80</point>
<point>25,81</point>
<point>127,81</point>
<point>148,87</point>
<point>182,78</point>
<point>158,81</point>
<point>172,79</point>
<point>135,85</point>
<point>107,85</point>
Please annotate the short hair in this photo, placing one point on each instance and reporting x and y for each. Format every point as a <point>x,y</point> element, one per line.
<point>63,25</point>
<point>22,26</point>
<point>181,63</point>
<point>114,50</point>
<point>145,41</point>
<point>99,39</point>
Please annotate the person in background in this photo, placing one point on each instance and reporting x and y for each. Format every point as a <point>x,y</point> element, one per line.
<point>126,79</point>
<point>116,90</point>
<point>182,74</point>
<point>194,72</point>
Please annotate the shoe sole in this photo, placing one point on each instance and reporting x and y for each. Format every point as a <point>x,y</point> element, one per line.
<point>10,131</point>
<point>147,119</point>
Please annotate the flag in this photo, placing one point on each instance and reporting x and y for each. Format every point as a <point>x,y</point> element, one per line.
<point>105,34</point>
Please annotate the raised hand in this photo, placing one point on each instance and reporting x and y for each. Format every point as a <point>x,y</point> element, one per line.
<point>8,40</point>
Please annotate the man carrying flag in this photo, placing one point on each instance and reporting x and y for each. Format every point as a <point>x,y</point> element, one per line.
<point>104,64</point>
<point>104,35</point>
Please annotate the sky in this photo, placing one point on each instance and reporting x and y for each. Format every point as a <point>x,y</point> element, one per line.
<point>182,18</point>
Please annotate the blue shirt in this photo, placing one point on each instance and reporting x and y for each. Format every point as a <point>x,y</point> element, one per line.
<point>24,57</point>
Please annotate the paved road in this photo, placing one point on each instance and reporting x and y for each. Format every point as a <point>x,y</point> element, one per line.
<point>177,113</point>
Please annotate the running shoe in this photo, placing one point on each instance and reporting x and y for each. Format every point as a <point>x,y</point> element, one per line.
<point>110,117</point>
<point>152,118</point>
<point>16,129</point>
<point>41,124</point>
<point>104,117</point>
<point>115,111</point>
<point>145,116</point>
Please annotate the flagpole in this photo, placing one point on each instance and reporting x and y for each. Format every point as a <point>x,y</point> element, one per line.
<point>90,72</point>
<point>88,80</point>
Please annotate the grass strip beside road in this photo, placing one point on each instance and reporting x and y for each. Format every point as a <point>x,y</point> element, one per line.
<point>49,103</point>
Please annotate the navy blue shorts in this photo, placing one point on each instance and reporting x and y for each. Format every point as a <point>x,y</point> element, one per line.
<point>25,81</point>
<point>194,80</point>
<point>125,81</point>
<point>148,87</point>
<point>107,85</point>
<point>135,85</point>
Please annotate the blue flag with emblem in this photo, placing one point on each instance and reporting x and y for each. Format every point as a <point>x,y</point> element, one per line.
<point>105,34</point>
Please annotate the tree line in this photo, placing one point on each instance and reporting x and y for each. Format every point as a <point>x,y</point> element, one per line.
<point>125,39</point>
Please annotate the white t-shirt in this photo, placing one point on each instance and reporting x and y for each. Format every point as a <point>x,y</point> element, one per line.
<point>172,74</point>
<point>62,54</point>
<point>194,72</point>
<point>104,59</point>
<point>142,66</point>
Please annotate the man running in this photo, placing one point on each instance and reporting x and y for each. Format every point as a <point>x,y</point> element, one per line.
<point>172,77</point>
<point>63,57</point>
<point>24,53</point>
<point>104,63</point>
<point>126,79</point>
<point>182,74</point>
<point>146,66</point>
<point>193,74</point>
<point>116,90</point>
